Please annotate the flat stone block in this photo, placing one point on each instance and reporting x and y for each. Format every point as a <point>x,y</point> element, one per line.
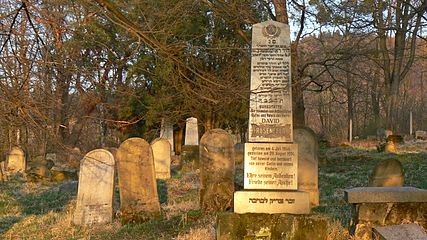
<point>232,226</point>
<point>400,232</point>
<point>294,202</point>
<point>385,194</point>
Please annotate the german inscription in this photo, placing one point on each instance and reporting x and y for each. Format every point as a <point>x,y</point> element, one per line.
<point>270,113</point>
<point>271,166</point>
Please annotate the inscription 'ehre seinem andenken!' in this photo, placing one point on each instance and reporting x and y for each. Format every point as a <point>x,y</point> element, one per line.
<point>270,166</point>
<point>271,101</point>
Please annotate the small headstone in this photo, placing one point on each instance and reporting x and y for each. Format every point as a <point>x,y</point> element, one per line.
<point>216,171</point>
<point>385,195</point>
<point>308,161</point>
<point>137,181</point>
<point>16,160</point>
<point>162,157</point>
<point>422,135</point>
<point>191,132</point>
<point>166,131</point>
<point>95,190</point>
<point>400,232</point>
<point>388,173</point>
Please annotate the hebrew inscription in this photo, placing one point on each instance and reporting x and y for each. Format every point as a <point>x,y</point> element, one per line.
<point>270,113</point>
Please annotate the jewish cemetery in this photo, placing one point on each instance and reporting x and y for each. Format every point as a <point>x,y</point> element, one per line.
<point>203,120</point>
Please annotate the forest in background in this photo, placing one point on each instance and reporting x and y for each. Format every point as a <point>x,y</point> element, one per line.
<point>89,74</point>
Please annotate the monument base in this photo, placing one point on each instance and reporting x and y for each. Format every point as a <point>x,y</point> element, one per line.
<point>271,226</point>
<point>271,202</point>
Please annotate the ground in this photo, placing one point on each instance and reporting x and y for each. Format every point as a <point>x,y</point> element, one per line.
<point>44,210</point>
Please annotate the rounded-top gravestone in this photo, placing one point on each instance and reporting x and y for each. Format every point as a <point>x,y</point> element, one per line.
<point>388,173</point>
<point>95,190</point>
<point>216,171</point>
<point>162,157</point>
<point>137,182</point>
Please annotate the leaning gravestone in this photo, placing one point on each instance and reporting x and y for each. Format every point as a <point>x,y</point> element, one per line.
<point>216,171</point>
<point>388,173</point>
<point>137,182</point>
<point>162,158</point>
<point>16,160</point>
<point>95,190</point>
<point>308,163</point>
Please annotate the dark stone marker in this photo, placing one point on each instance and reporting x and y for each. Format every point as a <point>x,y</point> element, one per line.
<point>216,171</point>
<point>388,173</point>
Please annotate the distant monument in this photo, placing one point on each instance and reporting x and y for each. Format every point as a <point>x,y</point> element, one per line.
<point>191,132</point>
<point>137,181</point>
<point>96,187</point>
<point>271,157</point>
<point>166,131</point>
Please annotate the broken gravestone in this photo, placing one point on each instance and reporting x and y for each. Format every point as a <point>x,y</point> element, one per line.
<point>388,173</point>
<point>95,190</point>
<point>216,171</point>
<point>137,181</point>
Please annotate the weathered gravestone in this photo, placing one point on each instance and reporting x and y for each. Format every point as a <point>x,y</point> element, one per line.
<point>137,182</point>
<point>95,190</point>
<point>400,232</point>
<point>162,158</point>
<point>191,132</point>
<point>16,160</point>
<point>388,173</point>
<point>216,171</point>
<point>166,131</point>
<point>422,135</point>
<point>308,163</point>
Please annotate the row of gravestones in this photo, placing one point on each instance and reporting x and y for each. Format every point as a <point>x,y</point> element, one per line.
<point>137,181</point>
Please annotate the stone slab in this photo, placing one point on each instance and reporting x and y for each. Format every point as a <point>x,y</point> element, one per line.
<point>385,194</point>
<point>400,232</point>
<point>95,191</point>
<point>308,163</point>
<point>294,202</point>
<point>271,166</point>
<point>162,158</point>
<point>270,109</point>
<point>231,226</point>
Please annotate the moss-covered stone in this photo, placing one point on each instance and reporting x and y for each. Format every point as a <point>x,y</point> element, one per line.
<point>271,226</point>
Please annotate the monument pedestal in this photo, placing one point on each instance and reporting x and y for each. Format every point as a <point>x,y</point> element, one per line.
<point>271,226</point>
<point>271,202</point>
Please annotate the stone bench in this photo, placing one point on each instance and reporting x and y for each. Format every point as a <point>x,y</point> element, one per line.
<point>383,206</point>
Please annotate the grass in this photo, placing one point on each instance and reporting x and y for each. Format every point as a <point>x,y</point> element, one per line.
<point>44,210</point>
